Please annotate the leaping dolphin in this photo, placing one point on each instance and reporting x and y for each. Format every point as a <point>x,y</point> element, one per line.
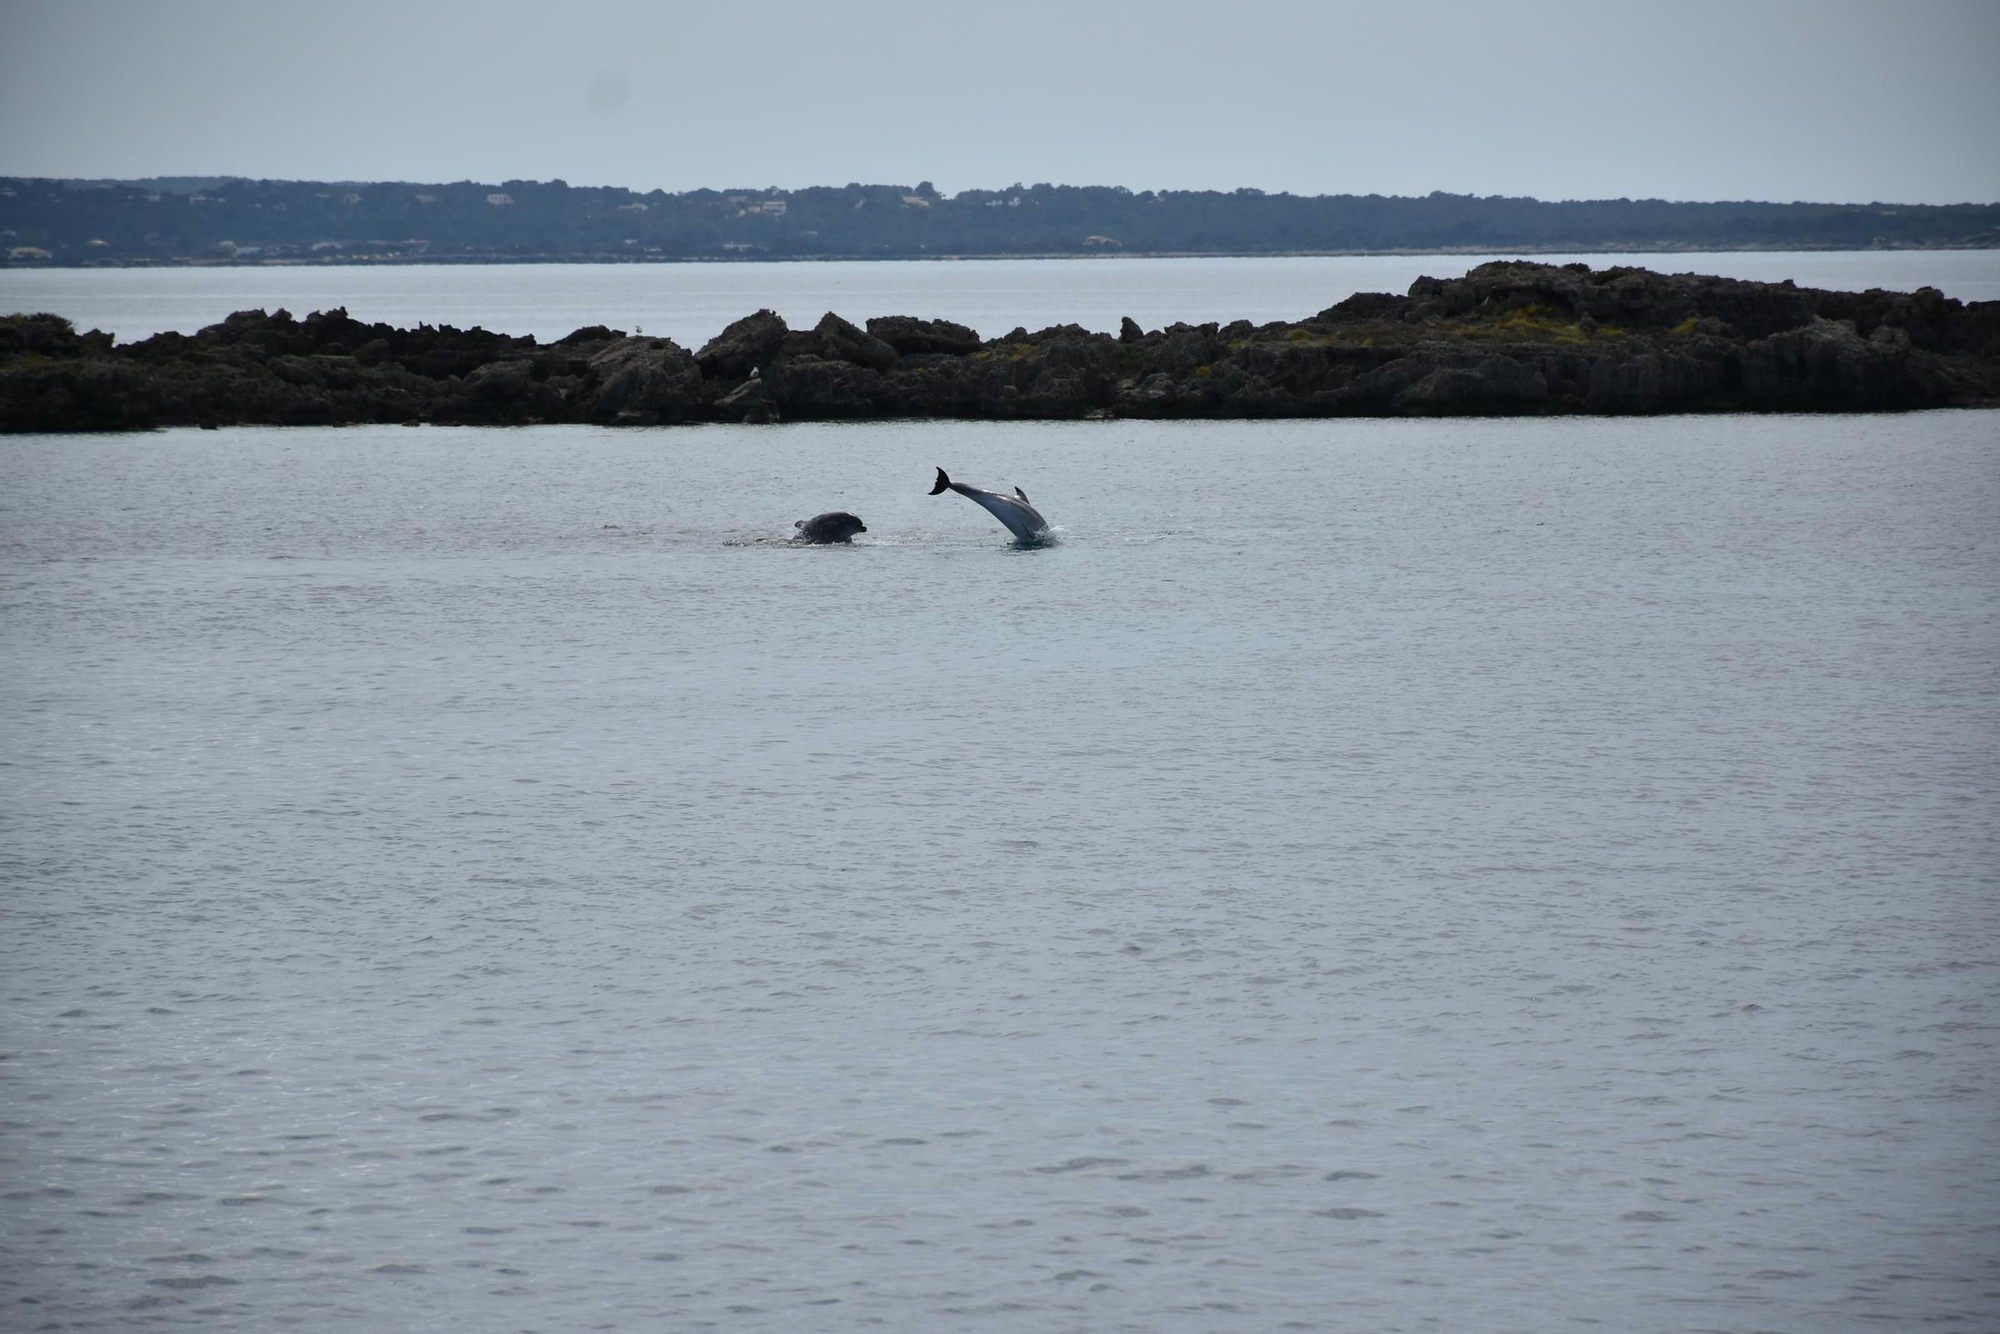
<point>1023,520</point>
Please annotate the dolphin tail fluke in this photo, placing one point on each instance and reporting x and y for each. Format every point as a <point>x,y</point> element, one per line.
<point>943,482</point>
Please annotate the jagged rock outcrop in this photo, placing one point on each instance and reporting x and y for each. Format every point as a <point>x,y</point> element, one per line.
<point>1480,385</point>
<point>742,347</point>
<point>639,381</point>
<point>911,336</point>
<point>815,389</point>
<point>500,393</point>
<point>1827,362</point>
<point>750,403</point>
<point>841,341</point>
<point>1508,338</point>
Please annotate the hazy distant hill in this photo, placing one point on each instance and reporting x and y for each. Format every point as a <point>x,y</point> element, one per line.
<point>213,220</point>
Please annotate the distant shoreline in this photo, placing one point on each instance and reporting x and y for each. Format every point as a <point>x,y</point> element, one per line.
<point>497,261</point>
<point>236,221</point>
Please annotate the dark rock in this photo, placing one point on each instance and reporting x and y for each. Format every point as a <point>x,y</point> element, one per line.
<point>1062,373</point>
<point>750,403</point>
<point>443,352</point>
<point>910,336</point>
<point>842,341</point>
<point>808,388</point>
<point>744,346</point>
<point>306,372</point>
<point>1129,330</point>
<point>41,333</point>
<point>1650,381</point>
<point>1180,350</point>
<point>1827,365</point>
<point>801,343</point>
<point>1229,390</point>
<point>642,381</point>
<point>1493,384</point>
<point>498,381</point>
<point>595,333</point>
<point>335,331</point>
<point>1378,388</point>
<point>1364,306</point>
<point>1302,367</point>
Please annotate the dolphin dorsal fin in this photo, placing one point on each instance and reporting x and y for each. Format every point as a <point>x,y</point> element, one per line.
<point>1023,495</point>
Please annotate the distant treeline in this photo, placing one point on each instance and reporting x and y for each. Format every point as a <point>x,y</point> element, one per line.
<point>194,221</point>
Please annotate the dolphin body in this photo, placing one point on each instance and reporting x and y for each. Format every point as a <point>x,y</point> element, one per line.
<point>1023,520</point>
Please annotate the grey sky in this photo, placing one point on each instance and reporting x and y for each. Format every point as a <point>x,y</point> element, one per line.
<point>1834,100</point>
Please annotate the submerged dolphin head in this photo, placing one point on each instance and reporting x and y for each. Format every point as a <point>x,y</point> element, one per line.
<point>1022,519</point>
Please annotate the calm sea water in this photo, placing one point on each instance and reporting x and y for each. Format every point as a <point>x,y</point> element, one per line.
<point>1363,876</point>
<point>692,302</point>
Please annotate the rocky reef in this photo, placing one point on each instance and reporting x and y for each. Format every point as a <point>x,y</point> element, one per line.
<point>1508,339</point>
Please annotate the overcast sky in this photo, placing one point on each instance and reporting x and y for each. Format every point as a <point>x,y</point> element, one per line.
<point>1829,100</point>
